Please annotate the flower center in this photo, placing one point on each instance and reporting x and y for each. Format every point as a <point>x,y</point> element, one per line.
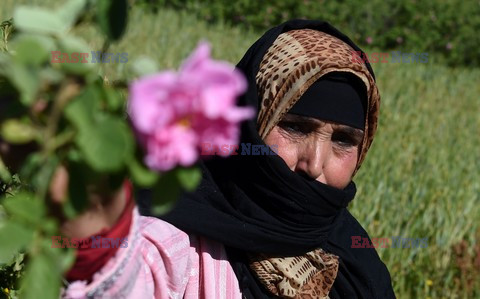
<point>184,122</point>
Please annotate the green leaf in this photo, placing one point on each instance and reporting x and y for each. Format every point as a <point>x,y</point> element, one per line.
<point>38,20</point>
<point>71,49</point>
<point>51,75</point>
<point>26,80</point>
<point>31,49</point>
<point>42,176</point>
<point>114,99</point>
<point>70,11</point>
<point>105,141</point>
<point>62,258</point>
<point>161,208</point>
<point>68,210</point>
<point>80,110</point>
<point>144,66</point>
<point>31,165</point>
<point>17,132</point>
<point>24,206</point>
<point>169,187</point>
<point>74,155</point>
<point>142,176</point>
<point>74,44</point>
<point>14,238</point>
<point>165,193</point>
<point>108,145</point>
<point>112,17</point>
<point>42,278</point>
<point>50,226</point>
<point>66,260</point>
<point>189,178</point>
<point>5,61</point>
<point>5,175</point>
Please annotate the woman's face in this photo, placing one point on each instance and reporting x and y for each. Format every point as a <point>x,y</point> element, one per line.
<point>320,150</point>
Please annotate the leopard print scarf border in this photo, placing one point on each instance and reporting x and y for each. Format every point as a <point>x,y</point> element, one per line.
<point>308,276</point>
<point>295,61</point>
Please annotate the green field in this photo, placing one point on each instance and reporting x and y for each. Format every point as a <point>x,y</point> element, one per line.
<point>421,178</point>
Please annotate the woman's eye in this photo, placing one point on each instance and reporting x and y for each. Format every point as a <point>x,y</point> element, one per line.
<point>344,140</point>
<point>294,128</point>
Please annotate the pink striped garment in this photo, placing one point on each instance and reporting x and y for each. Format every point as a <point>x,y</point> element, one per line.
<point>161,261</point>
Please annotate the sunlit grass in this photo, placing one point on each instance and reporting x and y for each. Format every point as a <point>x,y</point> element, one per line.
<point>422,175</point>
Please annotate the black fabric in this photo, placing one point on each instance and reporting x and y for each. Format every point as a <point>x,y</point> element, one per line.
<point>256,204</point>
<point>269,210</point>
<point>338,96</point>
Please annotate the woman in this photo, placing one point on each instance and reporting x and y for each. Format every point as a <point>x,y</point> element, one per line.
<point>262,226</point>
<point>283,219</point>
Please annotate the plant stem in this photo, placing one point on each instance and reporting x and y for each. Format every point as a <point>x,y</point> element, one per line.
<point>65,94</point>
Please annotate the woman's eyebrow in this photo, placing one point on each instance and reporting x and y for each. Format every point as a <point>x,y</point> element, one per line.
<point>301,119</point>
<point>357,134</point>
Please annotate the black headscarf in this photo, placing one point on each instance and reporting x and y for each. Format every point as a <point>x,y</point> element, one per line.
<point>256,204</point>
<point>343,100</point>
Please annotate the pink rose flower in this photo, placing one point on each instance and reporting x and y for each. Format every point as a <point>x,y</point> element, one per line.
<point>174,113</point>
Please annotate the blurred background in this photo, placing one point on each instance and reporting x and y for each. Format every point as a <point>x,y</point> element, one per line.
<point>421,178</point>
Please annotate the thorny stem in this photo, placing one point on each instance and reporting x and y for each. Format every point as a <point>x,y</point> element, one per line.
<point>62,139</point>
<point>68,90</point>
<point>65,94</point>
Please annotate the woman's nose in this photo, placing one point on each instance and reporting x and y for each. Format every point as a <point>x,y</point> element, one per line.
<point>312,159</point>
